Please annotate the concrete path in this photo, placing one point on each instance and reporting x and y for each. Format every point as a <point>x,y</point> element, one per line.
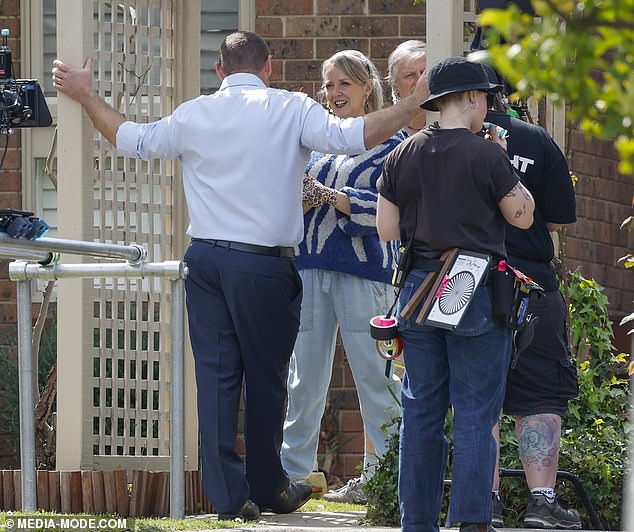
<point>313,521</point>
<point>327,522</point>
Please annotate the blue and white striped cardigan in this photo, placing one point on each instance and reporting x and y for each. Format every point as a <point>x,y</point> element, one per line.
<point>336,242</point>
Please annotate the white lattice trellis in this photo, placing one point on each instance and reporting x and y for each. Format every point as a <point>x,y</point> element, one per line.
<point>129,378</point>
<point>113,334</point>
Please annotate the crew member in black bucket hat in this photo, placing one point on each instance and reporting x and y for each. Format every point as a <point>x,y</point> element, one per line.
<point>457,74</point>
<point>444,188</point>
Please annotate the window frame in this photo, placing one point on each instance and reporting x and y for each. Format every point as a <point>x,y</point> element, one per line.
<point>36,142</point>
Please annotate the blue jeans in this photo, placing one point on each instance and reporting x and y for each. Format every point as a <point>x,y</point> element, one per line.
<point>465,368</point>
<point>333,301</point>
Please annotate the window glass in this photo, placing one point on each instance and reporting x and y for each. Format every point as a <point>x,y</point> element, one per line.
<point>46,196</point>
<point>219,18</point>
<point>49,45</point>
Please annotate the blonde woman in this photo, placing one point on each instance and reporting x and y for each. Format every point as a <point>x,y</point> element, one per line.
<point>345,269</point>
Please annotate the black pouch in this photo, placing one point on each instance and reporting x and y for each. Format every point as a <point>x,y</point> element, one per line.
<point>503,281</point>
<point>512,293</point>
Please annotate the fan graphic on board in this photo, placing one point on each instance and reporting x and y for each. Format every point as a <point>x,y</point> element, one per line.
<point>454,295</point>
<point>456,292</point>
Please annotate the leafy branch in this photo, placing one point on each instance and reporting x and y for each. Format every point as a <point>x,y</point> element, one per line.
<point>574,51</point>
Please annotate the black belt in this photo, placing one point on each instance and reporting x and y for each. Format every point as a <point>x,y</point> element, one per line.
<point>274,251</point>
<point>426,265</point>
<point>434,265</point>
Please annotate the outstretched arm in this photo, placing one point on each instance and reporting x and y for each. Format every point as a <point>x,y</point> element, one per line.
<point>76,83</point>
<point>382,124</point>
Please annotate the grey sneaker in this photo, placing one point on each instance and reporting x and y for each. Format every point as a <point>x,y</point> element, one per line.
<point>543,514</point>
<point>497,511</point>
<point>352,492</point>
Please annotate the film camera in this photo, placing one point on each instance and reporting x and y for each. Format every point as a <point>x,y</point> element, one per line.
<point>22,103</point>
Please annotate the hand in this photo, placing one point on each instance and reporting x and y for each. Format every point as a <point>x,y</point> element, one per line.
<point>314,194</point>
<point>74,82</point>
<point>496,134</point>
<point>421,91</point>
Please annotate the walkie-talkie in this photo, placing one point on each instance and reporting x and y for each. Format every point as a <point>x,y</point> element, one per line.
<point>402,267</point>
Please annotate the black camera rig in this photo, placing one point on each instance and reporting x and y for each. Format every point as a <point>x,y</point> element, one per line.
<point>22,103</point>
<point>22,224</point>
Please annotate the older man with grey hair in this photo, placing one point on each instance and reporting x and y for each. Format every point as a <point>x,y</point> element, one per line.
<point>404,66</point>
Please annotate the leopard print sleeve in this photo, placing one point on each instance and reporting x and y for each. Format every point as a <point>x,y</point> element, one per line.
<point>314,194</point>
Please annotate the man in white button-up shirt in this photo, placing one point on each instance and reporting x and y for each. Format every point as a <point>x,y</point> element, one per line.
<point>243,150</point>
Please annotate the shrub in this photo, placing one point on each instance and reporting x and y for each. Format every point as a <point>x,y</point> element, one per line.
<point>382,489</point>
<point>10,399</point>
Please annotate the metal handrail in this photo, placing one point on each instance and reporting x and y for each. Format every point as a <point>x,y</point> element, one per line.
<point>20,270</point>
<point>43,257</point>
<point>581,492</point>
<point>133,253</point>
<point>24,273</point>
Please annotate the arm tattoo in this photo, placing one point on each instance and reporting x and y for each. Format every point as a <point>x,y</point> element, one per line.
<point>516,191</point>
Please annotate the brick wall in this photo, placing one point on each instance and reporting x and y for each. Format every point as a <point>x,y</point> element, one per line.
<point>595,243</point>
<point>10,172</point>
<point>301,34</point>
<point>10,197</point>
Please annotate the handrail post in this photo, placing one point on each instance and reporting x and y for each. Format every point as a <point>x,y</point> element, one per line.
<point>177,406</point>
<point>26,378</point>
<point>23,273</point>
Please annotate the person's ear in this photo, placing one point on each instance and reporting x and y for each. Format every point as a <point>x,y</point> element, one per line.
<point>368,89</point>
<point>219,71</point>
<point>268,67</point>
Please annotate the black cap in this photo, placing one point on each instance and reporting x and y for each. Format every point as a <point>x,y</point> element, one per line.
<point>494,77</point>
<point>456,74</point>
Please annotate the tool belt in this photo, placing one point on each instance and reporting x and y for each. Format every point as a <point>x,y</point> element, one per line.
<point>426,265</point>
<point>512,293</point>
<point>512,290</point>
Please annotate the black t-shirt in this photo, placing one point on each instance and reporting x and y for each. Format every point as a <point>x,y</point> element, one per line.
<point>447,184</point>
<point>543,171</point>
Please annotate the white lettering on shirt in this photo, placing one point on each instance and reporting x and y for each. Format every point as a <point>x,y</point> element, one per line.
<point>520,163</point>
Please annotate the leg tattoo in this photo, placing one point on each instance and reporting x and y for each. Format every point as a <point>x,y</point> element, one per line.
<point>538,437</point>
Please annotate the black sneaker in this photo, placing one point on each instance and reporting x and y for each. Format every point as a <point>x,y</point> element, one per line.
<point>543,514</point>
<point>497,511</point>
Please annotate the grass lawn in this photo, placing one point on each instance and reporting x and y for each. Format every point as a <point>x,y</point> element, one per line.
<point>9,520</point>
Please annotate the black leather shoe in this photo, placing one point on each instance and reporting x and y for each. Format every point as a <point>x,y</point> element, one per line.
<point>289,500</point>
<point>248,512</point>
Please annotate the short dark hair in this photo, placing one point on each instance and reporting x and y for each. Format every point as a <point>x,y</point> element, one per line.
<point>243,51</point>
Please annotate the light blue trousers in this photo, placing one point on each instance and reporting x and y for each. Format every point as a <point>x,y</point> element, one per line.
<point>335,301</point>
